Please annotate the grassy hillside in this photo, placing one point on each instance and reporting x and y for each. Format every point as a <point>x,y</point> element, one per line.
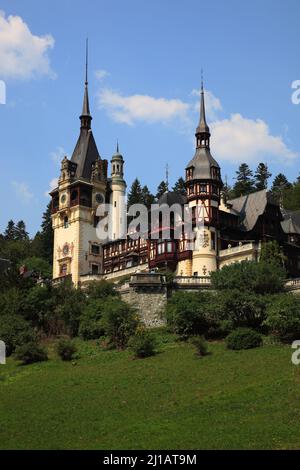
<point>174,400</point>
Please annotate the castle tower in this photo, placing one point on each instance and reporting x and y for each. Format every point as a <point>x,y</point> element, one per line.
<point>203,183</point>
<point>117,197</point>
<point>82,186</point>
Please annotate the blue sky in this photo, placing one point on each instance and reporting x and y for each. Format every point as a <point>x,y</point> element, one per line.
<point>145,64</point>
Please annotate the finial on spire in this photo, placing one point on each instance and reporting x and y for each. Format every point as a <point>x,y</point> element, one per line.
<point>167,176</point>
<point>117,146</point>
<point>85,114</point>
<point>86,60</point>
<point>201,80</point>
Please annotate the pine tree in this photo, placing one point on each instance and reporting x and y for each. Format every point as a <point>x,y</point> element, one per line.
<point>135,195</point>
<point>10,231</point>
<point>179,186</point>
<point>161,189</point>
<point>280,183</point>
<point>244,181</point>
<point>147,197</point>
<point>20,231</point>
<point>262,175</point>
<point>42,244</point>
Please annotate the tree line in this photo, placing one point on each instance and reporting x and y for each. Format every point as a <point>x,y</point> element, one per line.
<point>247,181</point>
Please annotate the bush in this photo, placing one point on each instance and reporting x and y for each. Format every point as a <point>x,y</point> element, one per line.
<point>219,330</point>
<point>15,331</point>
<point>257,277</point>
<point>243,338</point>
<point>119,322</point>
<point>142,344</point>
<point>200,345</point>
<point>187,313</point>
<point>31,352</point>
<point>66,349</point>
<point>238,309</point>
<point>101,290</point>
<point>90,326</point>
<point>283,316</point>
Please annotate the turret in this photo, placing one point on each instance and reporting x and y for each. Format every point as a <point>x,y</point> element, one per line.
<point>117,197</point>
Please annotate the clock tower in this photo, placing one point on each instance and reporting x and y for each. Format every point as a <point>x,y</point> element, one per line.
<point>82,186</point>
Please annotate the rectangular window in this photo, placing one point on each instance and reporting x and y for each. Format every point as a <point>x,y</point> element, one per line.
<point>96,220</point>
<point>95,249</point>
<point>169,247</point>
<point>213,241</point>
<point>95,269</point>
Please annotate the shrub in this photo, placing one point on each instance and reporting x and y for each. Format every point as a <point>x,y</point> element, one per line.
<point>257,277</point>
<point>187,313</point>
<point>119,322</point>
<point>142,344</point>
<point>243,338</point>
<point>66,349</point>
<point>90,326</point>
<point>69,306</point>
<point>200,345</point>
<point>219,330</point>
<point>38,266</point>
<point>38,306</point>
<point>101,290</point>
<point>31,352</point>
<point>283,316</point>
<point>15,331</point>
<point>238,309</point>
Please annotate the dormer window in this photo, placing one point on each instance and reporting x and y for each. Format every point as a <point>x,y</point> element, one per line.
<point>189,173</point>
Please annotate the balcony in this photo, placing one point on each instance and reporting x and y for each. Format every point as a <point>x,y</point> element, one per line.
<point>192,282</point>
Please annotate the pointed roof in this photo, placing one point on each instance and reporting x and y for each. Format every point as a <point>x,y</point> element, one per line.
<point>85,152</point>
<point>117,155</point>
<point>86,104</point>
<point>202,126</point>
<point>203,161</point>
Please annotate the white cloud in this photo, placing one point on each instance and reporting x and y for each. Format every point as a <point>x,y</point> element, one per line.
<point>57,155</point>
<point>235,139</point>
<point>52,185</point>
<point>101,74</point>
<point>22,191</point>
<point>240,139</point>
<point>130,109</point>
<point>212,104</point>
<point>23,54</point>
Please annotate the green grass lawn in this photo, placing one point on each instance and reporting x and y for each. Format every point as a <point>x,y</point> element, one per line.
<point>174,400</point>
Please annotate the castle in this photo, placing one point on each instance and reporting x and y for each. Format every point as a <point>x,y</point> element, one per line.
<point>231,231</point>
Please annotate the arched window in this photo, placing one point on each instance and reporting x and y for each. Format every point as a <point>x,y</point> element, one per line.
<point>63,269</point>
<point>66,222</point>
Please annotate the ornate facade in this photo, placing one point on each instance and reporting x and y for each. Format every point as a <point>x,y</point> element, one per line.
<point>224,231</point>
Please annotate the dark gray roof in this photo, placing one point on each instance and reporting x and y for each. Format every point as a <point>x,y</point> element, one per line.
<point>172,197</point>
<point>86,104</point>
<point>250,207</point>
<point>85,153</point>
<point>202,126</point>
<point>291,222</point>
<point>202,162</point>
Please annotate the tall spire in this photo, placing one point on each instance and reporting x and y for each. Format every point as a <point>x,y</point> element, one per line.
<point>167,176</point>
<point>86,117</point>
<point>202,131</point>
